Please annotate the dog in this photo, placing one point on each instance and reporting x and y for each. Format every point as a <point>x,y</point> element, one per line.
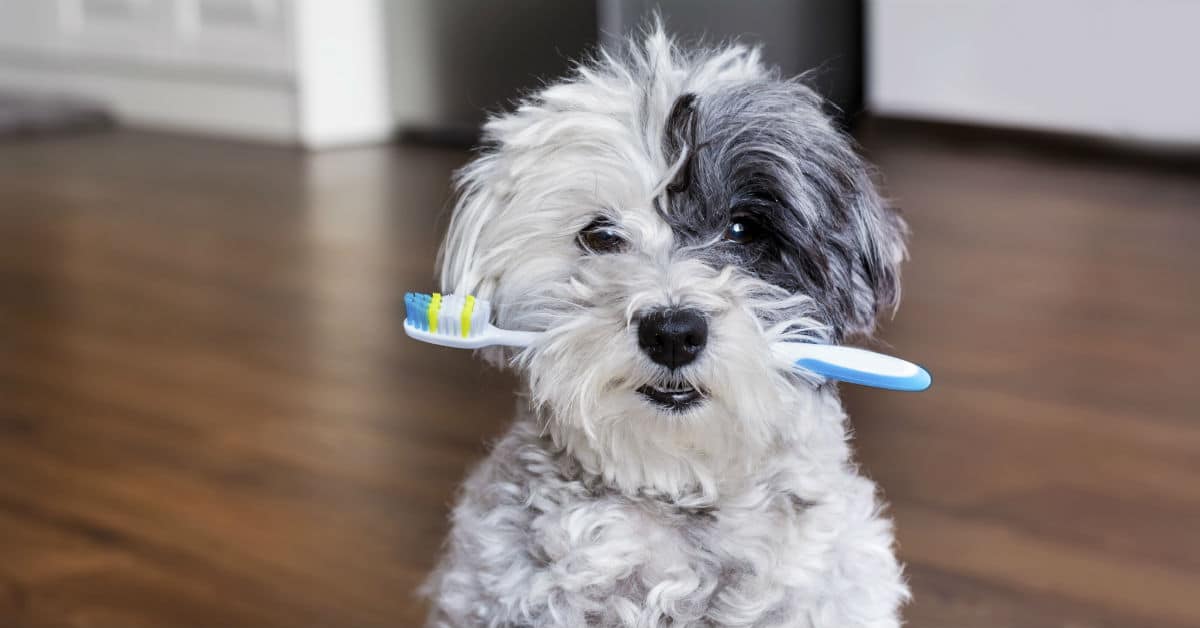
<point>665,215</point>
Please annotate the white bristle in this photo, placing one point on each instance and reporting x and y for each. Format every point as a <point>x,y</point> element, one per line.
<point>450,316</point>
<point>481,317</point>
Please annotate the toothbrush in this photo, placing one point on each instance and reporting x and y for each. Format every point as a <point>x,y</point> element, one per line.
<point>465,322</point>
<point>457,321</point>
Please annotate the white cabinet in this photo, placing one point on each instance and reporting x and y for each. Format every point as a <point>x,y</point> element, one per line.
<point>297,71</point>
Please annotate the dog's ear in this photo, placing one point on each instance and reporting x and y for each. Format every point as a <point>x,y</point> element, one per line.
<point>855,241</point>
<point>461,260</point>
<point>878,235</point>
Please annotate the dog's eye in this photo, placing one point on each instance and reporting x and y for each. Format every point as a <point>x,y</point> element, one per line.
<point>601,237</point>
<point>742,230</point>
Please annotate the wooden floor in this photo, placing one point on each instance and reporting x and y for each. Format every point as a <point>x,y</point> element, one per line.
<point>209,415</point>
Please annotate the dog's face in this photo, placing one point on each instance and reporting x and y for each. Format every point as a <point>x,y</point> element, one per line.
<point>665,218</point>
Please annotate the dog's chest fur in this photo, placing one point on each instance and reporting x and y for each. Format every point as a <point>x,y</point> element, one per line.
<point>541,542</point>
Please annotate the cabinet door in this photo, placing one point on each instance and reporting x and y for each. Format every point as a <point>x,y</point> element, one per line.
<point>238,34</point>
<point>234,36</point>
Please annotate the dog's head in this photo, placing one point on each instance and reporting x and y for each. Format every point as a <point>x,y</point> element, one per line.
<point>666,216</point>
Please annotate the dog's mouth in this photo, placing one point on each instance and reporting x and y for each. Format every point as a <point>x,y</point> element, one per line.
<point>673,397</point>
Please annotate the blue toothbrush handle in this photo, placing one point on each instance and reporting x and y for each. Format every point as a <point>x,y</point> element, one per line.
<point>857,366</point>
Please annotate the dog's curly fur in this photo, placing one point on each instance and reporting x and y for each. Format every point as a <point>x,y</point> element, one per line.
<point>599,507</point>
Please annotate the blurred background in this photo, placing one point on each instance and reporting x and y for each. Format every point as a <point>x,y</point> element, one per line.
<point>210,210</point>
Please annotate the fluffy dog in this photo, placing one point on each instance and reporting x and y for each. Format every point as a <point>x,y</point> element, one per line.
<point>665,216</point>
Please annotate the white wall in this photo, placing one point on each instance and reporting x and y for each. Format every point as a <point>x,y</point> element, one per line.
<point>1117,68</point>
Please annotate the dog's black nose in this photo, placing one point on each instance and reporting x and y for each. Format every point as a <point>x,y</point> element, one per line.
<point>673,337</point>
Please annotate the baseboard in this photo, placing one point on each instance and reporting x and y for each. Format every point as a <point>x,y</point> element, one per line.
<point>1064,144</point>
<point>258,110</point>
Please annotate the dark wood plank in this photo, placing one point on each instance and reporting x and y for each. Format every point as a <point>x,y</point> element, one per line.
<point>209,414</point>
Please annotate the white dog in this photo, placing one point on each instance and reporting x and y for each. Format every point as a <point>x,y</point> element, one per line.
<point>665,216</point>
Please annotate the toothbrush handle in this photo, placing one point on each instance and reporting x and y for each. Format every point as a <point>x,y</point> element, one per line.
<point>510,338</point>
<point>856,366</point>
<point>491,336</point>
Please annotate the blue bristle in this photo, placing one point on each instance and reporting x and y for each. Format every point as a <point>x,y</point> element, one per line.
<point>416,309</point>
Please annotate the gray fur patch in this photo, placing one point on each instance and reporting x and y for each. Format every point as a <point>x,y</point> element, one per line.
<point>764,151</point>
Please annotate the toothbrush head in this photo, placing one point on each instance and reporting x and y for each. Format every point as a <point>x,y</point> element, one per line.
<point>460,321</point>
<point>450,315</point>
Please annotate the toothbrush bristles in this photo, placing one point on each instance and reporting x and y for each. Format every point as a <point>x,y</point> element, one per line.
<point>447,315</point>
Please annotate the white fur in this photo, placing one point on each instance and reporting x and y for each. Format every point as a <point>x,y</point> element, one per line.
<point>599,508</point>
